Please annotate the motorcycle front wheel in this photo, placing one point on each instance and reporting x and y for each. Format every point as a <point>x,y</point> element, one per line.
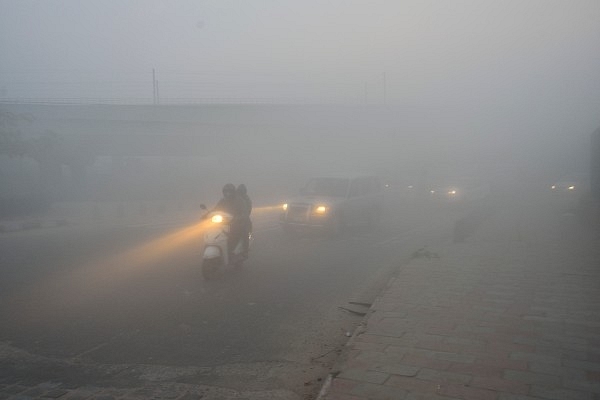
<point>210,267</point>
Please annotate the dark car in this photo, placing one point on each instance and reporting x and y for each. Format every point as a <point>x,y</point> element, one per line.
<point>332,203</point>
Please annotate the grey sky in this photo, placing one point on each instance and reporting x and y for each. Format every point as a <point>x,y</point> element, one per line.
<point>537,60</point>
<point>427,48</point>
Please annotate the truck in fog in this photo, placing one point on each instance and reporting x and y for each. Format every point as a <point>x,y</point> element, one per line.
<point>595,165</point>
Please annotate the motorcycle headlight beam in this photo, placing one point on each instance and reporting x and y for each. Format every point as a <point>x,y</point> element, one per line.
<point>321,209</point>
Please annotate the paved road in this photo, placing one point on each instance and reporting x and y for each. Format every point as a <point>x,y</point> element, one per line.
<point>125,306</point>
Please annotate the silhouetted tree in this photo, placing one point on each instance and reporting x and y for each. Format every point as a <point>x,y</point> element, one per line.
<point>46,148</point>
<point>11,138</point>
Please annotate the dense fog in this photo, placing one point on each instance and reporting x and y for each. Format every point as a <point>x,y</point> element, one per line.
<point>421,179</point>
<point>106,101</point>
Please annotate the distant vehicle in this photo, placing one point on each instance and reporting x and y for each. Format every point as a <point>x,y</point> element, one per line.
<point>330,204</point>
<point>445,192</point>
<point>459,190</point>
<point>565,186</point>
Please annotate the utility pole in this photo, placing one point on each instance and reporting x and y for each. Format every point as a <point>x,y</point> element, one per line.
<point>157,94</point>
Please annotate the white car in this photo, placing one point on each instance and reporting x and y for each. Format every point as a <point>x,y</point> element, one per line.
<point>332,203</point>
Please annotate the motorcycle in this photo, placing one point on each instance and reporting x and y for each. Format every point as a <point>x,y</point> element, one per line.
<point>216,253</point>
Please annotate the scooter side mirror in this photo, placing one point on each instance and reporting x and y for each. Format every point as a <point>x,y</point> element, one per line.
<point>202,207</point>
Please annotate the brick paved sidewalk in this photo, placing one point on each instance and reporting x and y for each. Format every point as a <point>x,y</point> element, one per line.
<point>512,313</point>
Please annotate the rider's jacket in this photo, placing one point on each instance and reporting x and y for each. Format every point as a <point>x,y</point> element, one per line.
<point>231,205</point>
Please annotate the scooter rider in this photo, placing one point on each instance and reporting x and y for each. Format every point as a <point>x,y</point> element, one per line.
<point>232,204</point>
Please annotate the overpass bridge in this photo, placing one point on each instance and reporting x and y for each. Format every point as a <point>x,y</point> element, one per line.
<point>108,146</point>
<point>194,129</point>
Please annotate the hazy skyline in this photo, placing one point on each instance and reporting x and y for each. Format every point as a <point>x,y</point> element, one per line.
<point>493,73</point>
<point>490,51</point>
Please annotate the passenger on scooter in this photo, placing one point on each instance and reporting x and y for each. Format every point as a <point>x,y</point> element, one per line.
<point>232,204</point>
<point>246,222</point>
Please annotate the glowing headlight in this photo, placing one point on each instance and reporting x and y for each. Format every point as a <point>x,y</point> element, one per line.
<point>553,186</point>
<point>432,191</point>
<point>217,218</point>
<point>321,209</point>
<point>571,187</point>
<point>452,192</point>
<point>285,206</point>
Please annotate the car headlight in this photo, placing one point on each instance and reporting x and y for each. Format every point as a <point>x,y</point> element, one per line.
<point>217,219</point>
<point>320,209</point>
<point>452,192</point>
<point>285,207</point>
<point>572,187</point>
<point>553,187</point>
